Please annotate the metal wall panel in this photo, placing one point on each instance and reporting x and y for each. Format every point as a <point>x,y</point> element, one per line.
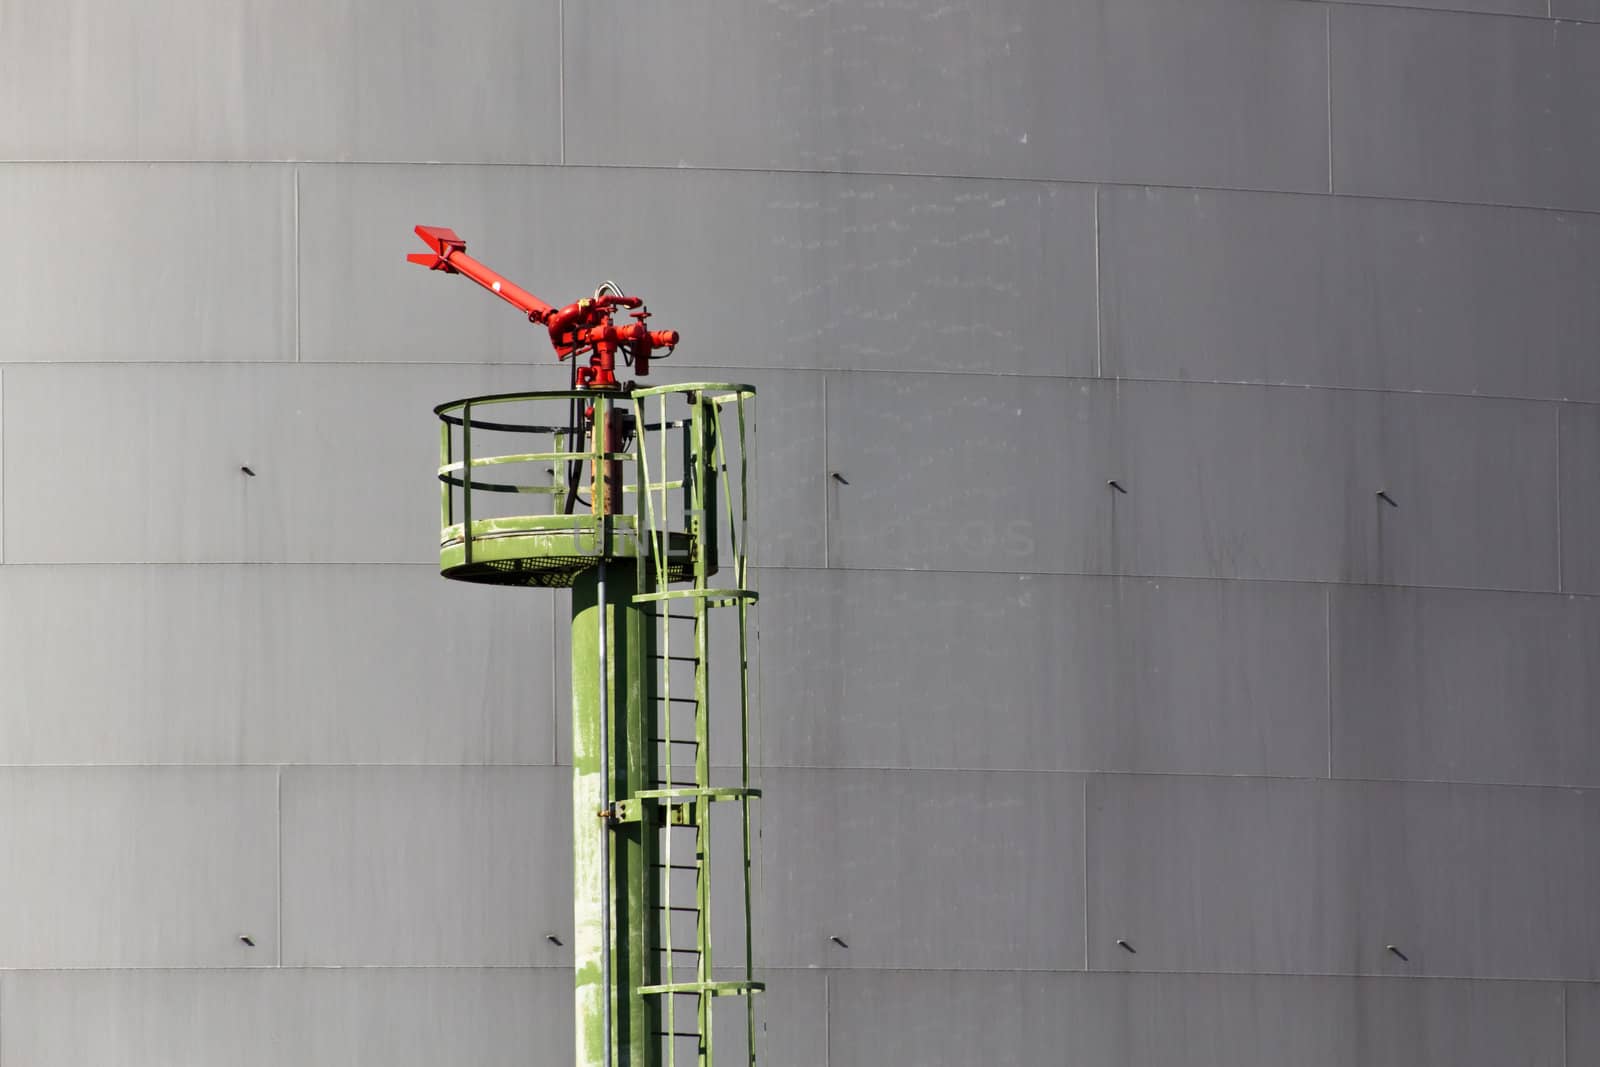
<point>1272,875</point>
<point>1215,92</point>
<point>2,466</point>
<point>1375,294</point>
<point>1043,673</point>
<point>1497,110</point>
<point>1457,685</point>
<point>199,79</point>
<point>1580,498</point>
<point>855,271</point>
<point>791,1020</point>
<point>188,262</point>
<point>1104,1020</point>
<point>294,664</point>
<point>341,1017</point>
<point>957,473</point>
<point>1282,483</point>
<point>1588,10</point>
<point>1583,1024</point>
<point>138,867</point>
<point>142,464</point>
<point>921,869</point>
<point>451,866</point>
<point>1529,8</point>
<point>1221,481</point>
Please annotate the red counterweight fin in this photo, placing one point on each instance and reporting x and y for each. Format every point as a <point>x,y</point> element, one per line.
<point>444,242</point>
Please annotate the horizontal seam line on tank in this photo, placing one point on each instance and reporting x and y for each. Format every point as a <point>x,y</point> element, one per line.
<point>1310,779</point>
<point>762,768</point>
<point>352,563</point>
<point>1196,973</point>
<point>223,563</point>
<point>1317,583</point>
<point>820,569</point>
<point>273,968</point>
<point>1319,193</point>
<point>1377,5</point>
<point>900,374</point>
<point>293,766</point>
<point>167,968</point>
<point>1112,973</point>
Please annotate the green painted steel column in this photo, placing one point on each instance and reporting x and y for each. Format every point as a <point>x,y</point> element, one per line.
<point>630,707</point>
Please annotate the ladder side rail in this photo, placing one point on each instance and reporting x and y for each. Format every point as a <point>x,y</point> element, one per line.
<point>739,548</point>
<point>656,539</point>
<point>704,474</point>
<point>446,490</point>
<point>466,481</point>
<point>648,578</point>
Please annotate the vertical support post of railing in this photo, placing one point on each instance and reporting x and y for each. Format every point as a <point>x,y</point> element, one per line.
<point>466,480</point>
<point>446,511</point>
<point>605,491</point>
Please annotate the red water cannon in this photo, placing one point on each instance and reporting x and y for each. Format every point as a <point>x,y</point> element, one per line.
<point>585,326</point>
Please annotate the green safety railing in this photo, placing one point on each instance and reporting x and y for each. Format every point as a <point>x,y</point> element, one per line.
<point>546,545</point>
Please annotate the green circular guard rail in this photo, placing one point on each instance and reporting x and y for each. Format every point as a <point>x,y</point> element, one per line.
<point>561,535</point>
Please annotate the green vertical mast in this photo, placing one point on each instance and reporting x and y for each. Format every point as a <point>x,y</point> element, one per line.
<point>646,520</point>
<point>623,693</point>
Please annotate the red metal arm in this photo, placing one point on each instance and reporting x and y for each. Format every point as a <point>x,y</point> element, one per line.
<point>582,326</point>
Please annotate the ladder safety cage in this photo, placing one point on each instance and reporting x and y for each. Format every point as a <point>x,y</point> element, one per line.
<point>710,479</point>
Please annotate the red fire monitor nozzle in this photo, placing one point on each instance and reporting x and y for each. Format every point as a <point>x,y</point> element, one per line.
<point>581,327</point>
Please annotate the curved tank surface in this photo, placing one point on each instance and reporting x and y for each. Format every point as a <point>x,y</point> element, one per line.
<point>1178,526</point>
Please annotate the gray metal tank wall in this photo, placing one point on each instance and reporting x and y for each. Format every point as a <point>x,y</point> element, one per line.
<point>1255,260</point>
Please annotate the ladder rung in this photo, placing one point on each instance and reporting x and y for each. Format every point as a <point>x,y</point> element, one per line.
<point>678,1033</point>
<point>680,659</point>
<point>680,907</point>
<point>675,741</point>
<point>685,951</point>
<point>675,866</point>
<point>677,700</point>
<point>709,988</point>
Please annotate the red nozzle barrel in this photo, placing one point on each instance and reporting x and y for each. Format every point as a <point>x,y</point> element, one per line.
<point>664,338</point>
